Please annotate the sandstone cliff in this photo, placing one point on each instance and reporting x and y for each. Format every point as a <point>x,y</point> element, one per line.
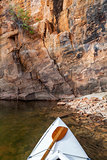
<point>66,56</point>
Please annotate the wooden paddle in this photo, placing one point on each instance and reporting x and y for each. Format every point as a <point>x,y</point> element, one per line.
<point>57,135</point>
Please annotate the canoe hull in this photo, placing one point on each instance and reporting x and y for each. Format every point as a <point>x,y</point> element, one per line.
<point>68,146</point>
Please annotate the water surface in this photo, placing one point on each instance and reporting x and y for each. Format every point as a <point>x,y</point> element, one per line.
<point>23,123</point>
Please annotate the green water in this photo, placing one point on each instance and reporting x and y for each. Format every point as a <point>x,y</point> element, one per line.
<point>23,123</point>
<point>21,126</point>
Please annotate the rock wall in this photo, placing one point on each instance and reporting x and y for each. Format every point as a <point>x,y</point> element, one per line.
<point>66,56</point>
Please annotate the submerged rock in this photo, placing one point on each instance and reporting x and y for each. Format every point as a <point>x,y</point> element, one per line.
<point>89,105</point>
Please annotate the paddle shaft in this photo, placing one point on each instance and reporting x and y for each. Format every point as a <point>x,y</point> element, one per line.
<point>51,145</point>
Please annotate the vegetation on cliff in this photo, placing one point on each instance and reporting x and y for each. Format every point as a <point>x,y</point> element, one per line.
<point>66,55</point>
<point>21,19</point>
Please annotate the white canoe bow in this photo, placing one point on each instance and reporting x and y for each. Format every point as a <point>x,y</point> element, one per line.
<point>67,148</point>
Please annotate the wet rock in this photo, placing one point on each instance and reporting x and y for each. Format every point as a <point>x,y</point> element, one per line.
<point>61,103</point>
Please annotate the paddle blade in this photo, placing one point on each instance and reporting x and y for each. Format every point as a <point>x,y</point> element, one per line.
<point>57,135</point>
<point>61,135</point>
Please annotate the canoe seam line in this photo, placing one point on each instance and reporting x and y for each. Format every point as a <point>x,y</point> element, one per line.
<point>63,153</point>
<point>40,152</point>
<point>77,156</point>
<point>43,138</point>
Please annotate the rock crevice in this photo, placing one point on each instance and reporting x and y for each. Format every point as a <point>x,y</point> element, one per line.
<point>67,54</point>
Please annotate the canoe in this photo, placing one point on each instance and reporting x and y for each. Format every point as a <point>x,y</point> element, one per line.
<point>68,148</point>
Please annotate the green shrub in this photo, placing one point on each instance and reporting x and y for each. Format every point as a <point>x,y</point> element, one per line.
<point>21,19</point>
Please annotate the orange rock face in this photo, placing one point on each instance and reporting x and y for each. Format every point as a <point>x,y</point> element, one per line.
<point>67,55</point>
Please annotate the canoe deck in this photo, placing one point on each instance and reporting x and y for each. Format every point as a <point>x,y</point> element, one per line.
<point>68,148</point>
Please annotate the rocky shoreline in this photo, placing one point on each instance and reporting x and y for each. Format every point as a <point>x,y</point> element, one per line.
<point>90,104</point>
